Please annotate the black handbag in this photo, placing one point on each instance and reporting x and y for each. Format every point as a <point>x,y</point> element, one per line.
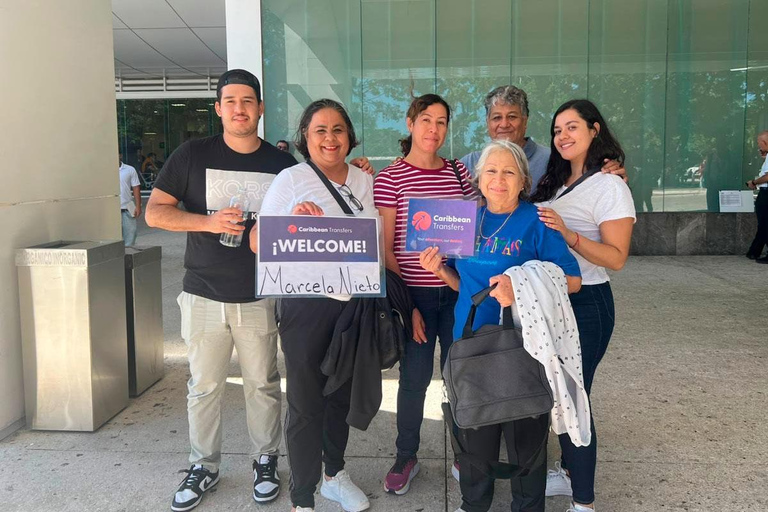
<point>489,376</point>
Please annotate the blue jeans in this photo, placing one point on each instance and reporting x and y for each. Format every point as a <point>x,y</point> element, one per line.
<point>129,228</point>
<point>416,366</point>
<point>595,317</point>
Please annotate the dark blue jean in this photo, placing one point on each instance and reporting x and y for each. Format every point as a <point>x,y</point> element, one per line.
<point>595,317</point>
<point>416,366</point>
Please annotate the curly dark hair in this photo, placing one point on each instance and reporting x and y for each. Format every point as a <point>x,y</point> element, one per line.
<point>300,140</point>
<point>419,105</point>
<point>603,146</point>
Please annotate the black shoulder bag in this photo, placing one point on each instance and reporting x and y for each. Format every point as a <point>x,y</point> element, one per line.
<point>335,193</point>
<point>490,377</point>
<point>458,175</point>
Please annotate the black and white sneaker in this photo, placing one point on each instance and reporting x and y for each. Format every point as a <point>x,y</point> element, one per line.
<point>190,493</point>
<point>266,482</point>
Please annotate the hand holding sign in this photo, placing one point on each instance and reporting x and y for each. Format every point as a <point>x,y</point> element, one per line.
<point>253,238</point>
<point>307,208</point>
<point>431,260</point>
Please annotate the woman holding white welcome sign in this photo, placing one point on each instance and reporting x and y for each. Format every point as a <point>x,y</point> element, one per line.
<point>316,430</point>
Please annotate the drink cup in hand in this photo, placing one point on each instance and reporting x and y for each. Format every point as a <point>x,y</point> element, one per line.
<point>239,200</point>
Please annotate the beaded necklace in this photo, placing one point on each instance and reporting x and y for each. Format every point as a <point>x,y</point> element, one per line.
<point>499,228</point>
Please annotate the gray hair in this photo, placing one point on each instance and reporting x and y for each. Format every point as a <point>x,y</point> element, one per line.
<point>520,158</point>
<point>506,94</point>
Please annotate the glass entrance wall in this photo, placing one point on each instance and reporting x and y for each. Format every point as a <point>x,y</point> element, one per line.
<point>149,130</point>
<point>683,82</point>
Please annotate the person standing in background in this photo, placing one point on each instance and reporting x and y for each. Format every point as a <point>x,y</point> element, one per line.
<point>130,200</point>
<point>282,145</point>
<point>761,204</point>
<point>506,118</point>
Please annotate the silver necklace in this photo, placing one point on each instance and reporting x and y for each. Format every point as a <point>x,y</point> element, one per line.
<point>482,219</point>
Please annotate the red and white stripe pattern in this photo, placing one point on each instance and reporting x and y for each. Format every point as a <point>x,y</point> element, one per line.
<point>401,181</point>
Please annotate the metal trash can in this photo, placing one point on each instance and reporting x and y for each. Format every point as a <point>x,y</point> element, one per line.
<point>72,303</point>
<point>144,314</point>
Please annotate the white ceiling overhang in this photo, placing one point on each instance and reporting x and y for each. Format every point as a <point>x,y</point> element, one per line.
<point>169,38</point>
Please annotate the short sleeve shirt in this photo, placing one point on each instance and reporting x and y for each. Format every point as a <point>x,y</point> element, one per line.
<point>128,179</point>
<point>401,181</point>
<point>505,241</point>
<point>599,198</point>
<point>203,174</point>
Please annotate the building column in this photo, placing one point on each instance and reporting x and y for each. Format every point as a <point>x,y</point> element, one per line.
<point>244,49</point>
<point>58,141</point>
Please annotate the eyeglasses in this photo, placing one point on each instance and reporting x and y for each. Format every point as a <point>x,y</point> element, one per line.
<point>347,193</point>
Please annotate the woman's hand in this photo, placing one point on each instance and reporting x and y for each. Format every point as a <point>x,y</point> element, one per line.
<point>253,239</point>
<point>307,208</point>
<point>419,327</point>
<point>431,260</point>
<point>503,293</point>
<point>552,220</point>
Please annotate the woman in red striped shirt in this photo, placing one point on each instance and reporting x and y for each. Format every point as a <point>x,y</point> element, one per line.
<point>421,174</point>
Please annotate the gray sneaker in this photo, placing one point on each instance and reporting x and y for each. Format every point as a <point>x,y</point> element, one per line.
<point>558,482</point>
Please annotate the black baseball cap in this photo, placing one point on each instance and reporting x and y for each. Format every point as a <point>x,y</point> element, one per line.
<point>238,76</point>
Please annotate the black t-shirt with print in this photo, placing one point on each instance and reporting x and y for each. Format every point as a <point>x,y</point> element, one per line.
<point>202,174</point>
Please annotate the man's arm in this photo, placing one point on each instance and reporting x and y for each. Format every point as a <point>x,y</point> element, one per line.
<point>163,213</point>
<point>753,184</point>
<point>137,200</point>
<point>615,167</point>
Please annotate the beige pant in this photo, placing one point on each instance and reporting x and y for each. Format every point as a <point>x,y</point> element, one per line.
<point>211,329</point>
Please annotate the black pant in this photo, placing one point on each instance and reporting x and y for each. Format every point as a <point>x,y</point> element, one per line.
<point>316,430</point>
<point>524,437</point>
<point>761,237</point>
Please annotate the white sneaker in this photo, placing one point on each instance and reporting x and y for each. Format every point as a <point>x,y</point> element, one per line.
<point>579,508</point>
<point>305,509</point>
<point>341,490</point>
<point>558,482</point>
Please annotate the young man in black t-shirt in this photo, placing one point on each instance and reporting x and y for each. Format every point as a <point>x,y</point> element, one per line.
<point>219,309</point>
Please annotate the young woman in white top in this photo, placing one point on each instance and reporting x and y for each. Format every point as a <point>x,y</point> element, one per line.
<point>316,430</point>
<point>595,214</point>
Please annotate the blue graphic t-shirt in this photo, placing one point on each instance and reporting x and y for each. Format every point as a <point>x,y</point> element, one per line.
<point>522,238</point>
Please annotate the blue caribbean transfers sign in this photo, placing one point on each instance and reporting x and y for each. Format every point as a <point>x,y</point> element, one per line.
<point>448,224</point>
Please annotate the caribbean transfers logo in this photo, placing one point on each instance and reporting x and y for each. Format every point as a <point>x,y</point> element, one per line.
<point>423,221</point>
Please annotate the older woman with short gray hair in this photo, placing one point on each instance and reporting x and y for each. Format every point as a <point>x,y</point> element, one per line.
<point>509,233</point>
<point>517,153</point>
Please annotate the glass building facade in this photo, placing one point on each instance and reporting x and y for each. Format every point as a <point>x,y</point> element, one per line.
<point>683,83</point>
<point>147,127</point>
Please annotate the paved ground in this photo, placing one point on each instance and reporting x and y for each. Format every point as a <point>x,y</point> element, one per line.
<point>680,402</point>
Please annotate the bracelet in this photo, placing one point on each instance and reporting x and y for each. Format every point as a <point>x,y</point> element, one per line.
<point>578,239</point>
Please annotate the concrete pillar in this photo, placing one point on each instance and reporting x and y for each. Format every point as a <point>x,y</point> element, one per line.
<point>58,147</point>
<point>244,49</point>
